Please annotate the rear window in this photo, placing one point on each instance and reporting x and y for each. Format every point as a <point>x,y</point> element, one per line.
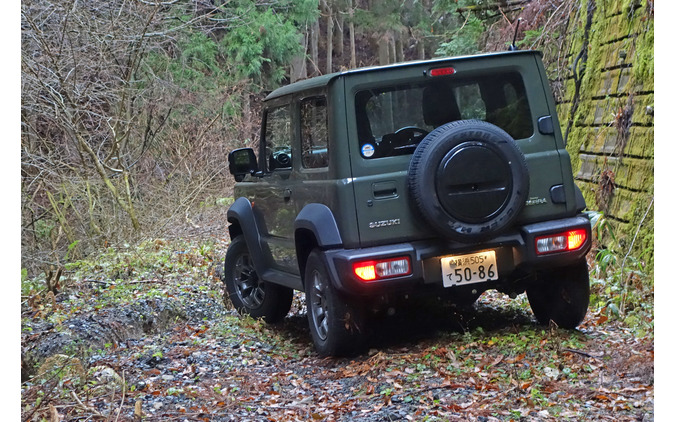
<point>393,120</point>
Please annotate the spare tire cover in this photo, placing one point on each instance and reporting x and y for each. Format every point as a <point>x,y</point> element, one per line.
<point>469,180</point>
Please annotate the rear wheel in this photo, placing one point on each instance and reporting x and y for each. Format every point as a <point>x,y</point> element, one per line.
<point>562,297</point>
<point>336,322</point>
<point>248,293</point>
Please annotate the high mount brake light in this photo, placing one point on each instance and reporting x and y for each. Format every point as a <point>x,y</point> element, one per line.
<point>568,241</point>
<point>442,71</point>
<point>373,270</point>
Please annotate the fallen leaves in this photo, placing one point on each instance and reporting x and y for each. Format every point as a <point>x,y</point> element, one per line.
<point>228,368</point>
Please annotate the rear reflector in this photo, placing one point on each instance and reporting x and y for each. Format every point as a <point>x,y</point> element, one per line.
<point>442,71</point>
<point>567,241</point>
<point>385,268</point>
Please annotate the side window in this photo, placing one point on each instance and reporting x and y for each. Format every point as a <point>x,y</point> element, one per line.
<point>314,132</point>
<point>278,138</point>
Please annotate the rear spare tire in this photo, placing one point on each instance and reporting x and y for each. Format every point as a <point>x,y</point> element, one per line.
<point>469,180</point>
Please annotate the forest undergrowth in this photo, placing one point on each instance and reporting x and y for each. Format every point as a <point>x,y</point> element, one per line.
<point>143,333</point>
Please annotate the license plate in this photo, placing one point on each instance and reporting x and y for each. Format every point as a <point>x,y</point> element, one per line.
<point>468,269</point>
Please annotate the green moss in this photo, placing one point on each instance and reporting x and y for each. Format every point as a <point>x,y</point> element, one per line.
<point>641,104</point>
<point>630,7</point>
<point>621,33</point>
<point>574,143</point>
<point>588,190</point>
<point>643,63</point>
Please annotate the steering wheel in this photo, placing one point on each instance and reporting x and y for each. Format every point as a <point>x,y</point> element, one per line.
<point>408,135</point>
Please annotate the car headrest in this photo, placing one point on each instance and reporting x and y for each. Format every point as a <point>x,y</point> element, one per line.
<point>439,106</point>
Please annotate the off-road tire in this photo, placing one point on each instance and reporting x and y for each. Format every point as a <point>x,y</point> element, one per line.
<point>469,180</point>
<point>561,296</point>
<point>248,293</point>
<point>336,323</point>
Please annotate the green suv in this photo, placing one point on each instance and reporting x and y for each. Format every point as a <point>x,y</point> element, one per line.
<point>443,177</point>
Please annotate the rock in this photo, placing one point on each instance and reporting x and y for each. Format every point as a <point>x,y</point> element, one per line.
<point>107,378</point>
<point>94,331</point>
<point>60,366</point>
<point>552,373</point>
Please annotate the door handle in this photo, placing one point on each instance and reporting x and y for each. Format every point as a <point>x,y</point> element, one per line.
<point>385,190</point>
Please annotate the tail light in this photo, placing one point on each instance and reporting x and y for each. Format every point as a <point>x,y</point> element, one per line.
<point>373,270</point>
<point>568,241</point>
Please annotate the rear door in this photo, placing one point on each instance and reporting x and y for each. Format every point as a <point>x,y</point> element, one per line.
<point>503,89</point>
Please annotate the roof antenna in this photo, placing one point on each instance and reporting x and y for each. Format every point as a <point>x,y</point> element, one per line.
<point>513,47</point>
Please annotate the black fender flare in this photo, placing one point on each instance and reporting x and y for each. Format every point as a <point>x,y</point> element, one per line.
<point>319,219</point>
<point>242,221</point>
<point>315,227</point>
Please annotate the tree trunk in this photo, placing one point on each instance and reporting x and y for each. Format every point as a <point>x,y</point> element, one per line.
<point>299,62</point>
<point>383,47</point>
<point>123,200</point>
<point>399,49</point>
<point>352,42</point>
<point>246,111</point>
<point>340,35</point>
<point>329,37</point>
<point>392,49</point>
<point>314,48</point>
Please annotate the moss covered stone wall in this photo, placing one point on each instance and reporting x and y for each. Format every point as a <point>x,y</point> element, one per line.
<point>607,114</point>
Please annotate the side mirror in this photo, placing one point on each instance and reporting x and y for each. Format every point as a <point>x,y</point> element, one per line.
<point>242,162</point>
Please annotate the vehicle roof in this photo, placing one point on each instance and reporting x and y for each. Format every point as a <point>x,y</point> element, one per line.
<point>325,80</point>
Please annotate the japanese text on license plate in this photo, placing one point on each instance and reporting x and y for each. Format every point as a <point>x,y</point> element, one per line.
<point>467,269</point>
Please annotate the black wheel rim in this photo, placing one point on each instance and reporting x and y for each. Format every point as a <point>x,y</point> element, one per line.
<point>250,288</point>
<point>319,309</point>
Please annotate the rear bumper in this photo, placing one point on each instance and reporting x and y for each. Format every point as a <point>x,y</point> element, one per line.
<point>515,253</point>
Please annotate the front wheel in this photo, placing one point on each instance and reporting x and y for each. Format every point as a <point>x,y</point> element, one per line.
<point>336,322</point>
<point>562,297</point>
<point>248,293</point>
